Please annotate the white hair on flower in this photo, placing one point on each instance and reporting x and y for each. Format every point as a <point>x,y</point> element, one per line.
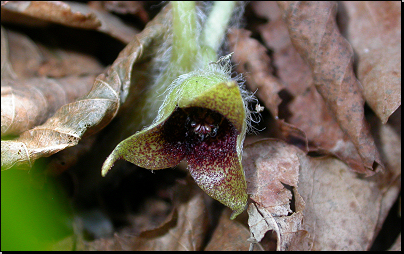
<point>162,63</point>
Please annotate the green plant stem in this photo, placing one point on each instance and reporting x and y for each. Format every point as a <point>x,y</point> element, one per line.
<point>185,46</point>
<point>189,50</point>
<point>216,24</point>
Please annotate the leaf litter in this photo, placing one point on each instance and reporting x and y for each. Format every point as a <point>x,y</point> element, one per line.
<point>85,116</point>
<point>330,57</point>
<point>35,91</point>
<point>68,14</point>
<point>311,203</point>
<point>378,47</point>
<point>183,229</point>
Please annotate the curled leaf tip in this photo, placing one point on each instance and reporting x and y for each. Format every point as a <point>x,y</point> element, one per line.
<point>108,163</point>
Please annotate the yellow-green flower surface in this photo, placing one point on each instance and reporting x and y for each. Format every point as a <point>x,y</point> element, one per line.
<point>202,120</point>
<point>203,116</point>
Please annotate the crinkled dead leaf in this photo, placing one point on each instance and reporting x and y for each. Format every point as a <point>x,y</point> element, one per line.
<point>288,229</point>
<point>378,46</point>
<point>270,166</point>
<point>69,14</point>
<point>306,112</point>
<point>339,209</point>
<point>28,100</point>
<point>256,63</point>
<point>331,59</point>
<point>28,103</point>
<point>87,115</point>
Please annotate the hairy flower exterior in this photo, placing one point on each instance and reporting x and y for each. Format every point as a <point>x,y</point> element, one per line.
<point>202,120</point>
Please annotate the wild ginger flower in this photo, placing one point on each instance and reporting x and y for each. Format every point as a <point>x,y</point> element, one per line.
<point>202,120</point>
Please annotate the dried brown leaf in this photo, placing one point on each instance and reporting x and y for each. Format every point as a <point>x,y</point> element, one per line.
<point>339,209</point>
<point>269,166</point>
<point>59,12</point>
<point>21,53</point>
<point>253,60</point>
<point>7,71</point>
<point>61,63</point>
<point>338,214</point>
<point>378,46</point>
<point>125,7</point>
<point>30,59</point>
<point>343,210</point>
<point>310,114</point>
<point>315,35</point>
<point>266,9</point>
<point>292,70</point>
<point>69,14</point>
<point>110,24</point>
<point>389,143</point>
<point>28,103</point>
<point>85,116</point>
<point>288,229</point>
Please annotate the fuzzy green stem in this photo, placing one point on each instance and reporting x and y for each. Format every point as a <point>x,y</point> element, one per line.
<point>216,25</point>
<point>185,44</point>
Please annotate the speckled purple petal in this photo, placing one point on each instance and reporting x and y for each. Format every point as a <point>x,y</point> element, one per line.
<point>216,169</point>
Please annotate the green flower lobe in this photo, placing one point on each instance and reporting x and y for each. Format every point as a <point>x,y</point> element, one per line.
<point>203,121</point>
